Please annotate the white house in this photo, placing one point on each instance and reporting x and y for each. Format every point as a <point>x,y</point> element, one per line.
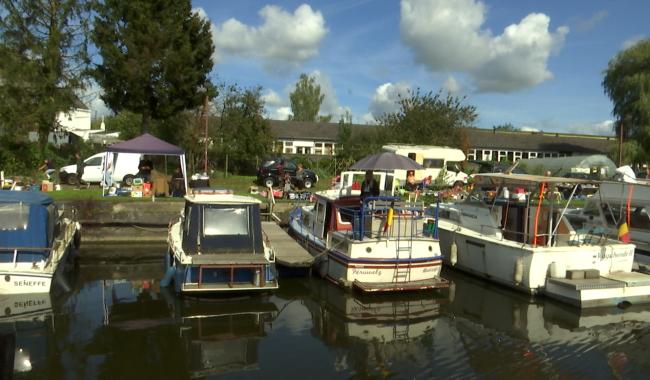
<point>75,121</point>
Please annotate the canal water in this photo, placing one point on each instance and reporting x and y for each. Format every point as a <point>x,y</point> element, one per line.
<point>115,322</point>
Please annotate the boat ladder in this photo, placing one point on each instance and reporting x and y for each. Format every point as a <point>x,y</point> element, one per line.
<point>402,272</point>
<point>401,332</point>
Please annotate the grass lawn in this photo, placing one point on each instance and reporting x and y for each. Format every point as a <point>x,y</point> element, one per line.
<point>239,184</point>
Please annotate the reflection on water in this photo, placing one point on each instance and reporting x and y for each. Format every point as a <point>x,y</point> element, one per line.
<point>117,323</point>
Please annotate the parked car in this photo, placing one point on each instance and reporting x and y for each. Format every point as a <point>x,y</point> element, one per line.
<point>126,167</point>
<point>268,174</point>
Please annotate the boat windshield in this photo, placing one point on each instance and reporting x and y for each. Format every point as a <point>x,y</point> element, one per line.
<point>13,216</point>
<point>225,221</point>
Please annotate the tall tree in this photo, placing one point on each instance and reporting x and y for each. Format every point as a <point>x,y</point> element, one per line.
<point>427,119</point>
<point>627,83</point>
<point>156,57</point>
<point>43,56</point>
<point>306,100</point>
<point>508,127</point>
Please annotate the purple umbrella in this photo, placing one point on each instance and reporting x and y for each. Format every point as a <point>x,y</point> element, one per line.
<point>386,161</point>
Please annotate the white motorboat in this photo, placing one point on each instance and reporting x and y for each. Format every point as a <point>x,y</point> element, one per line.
<point>217,245</point>
<point>377,244</point>
<point>514,229</point>
<point>35,240</point>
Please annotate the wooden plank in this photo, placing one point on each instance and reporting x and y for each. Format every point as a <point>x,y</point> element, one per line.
<point>287,251</point>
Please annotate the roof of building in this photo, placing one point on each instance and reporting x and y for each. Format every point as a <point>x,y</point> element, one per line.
<point>539,141</point>
<point>478,138</point>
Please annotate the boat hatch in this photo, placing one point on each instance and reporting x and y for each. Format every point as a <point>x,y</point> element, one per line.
<point>230,275</point>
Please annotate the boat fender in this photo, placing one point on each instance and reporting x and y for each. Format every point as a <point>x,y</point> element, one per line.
<point>519,270</point>
<point>453,254</point>
<point>555,270</point>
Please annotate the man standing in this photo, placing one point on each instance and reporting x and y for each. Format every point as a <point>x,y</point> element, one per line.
<point>48,166</point>
<point>80,168</point>
<point>369,187</point>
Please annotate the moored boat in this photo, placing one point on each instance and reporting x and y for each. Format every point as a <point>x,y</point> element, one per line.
<point>523,237</point>
<point>217,245</point>
<point>35,240</point>
<point>376,244</point>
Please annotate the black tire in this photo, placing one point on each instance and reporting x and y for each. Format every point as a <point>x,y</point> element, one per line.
<point>268,182</point>
<point>128,179</point>
<point>307,183</point>
<point>72,179</point>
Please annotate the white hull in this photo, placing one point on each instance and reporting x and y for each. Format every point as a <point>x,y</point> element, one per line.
<point>374,264</point>
<point>26,277</point>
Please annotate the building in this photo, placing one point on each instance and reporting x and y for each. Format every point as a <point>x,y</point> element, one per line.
<point>76,121</point>
<point>319,139</point>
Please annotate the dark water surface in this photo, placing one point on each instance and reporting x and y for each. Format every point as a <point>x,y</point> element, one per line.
<point>116,323</point>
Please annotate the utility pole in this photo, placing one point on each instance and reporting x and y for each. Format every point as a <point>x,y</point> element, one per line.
<point>205,151</point>
<point>620,147</point>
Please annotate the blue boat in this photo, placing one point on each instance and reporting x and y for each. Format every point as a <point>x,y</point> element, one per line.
<point>35,240</point>
<point>217,245</point>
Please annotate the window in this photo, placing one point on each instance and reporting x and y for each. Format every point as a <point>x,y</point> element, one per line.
<point>433,163</point>
<point>471,155</point>
<point>329,149</point>
<point>14,216</point>
<point>225,221</point>
<point>95,161</point>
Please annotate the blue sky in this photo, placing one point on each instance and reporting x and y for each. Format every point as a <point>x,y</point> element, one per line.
<point>535,64</point>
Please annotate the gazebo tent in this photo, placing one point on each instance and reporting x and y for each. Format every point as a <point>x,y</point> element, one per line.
<point>145,144</point>
<point>596,166</point>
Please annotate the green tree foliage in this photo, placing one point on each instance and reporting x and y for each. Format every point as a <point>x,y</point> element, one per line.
<point>306,100</point>
<point>127,123</point>
<point>43,56</point>
<point>156,57</point>
<point>428,119</point>
<point>508,127</point>
<point>627,83</point>
<point>240,132</point>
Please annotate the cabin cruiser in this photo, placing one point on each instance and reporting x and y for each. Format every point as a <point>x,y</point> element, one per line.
<point>376,244</point>
<point>35,240</point>
<point>217,245</point>
<point>514,229</point>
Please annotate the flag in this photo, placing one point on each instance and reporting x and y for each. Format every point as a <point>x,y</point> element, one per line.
<point>623,233</point>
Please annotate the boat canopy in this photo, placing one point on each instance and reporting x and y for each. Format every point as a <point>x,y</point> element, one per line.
<point>595,166</point>
<point>26,221</point>
<point>214,228</point>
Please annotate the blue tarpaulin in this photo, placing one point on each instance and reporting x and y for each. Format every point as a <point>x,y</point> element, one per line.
<point>21,230</point>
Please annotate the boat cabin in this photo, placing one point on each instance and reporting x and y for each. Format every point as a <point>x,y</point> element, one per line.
<point>27,226</point>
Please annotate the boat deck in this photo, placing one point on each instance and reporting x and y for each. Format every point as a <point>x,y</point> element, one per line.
<point>610,289</point>
<point>229,259</point>
<point>288,252</point>
<point>401,286</point>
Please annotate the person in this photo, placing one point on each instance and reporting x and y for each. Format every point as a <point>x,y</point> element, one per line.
<point>144,170</point>
<point>410,180</point>
<point>178,183</point>
<point>369,186</point>
<point>48,166</point>
<point>80,168</point>
<point>287,185</point>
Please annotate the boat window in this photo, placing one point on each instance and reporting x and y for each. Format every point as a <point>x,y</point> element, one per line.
<point>639,218</point>
<point>320,213</point>
<point>433,163</point>
<point>14,216</point>
<point>225,221</point>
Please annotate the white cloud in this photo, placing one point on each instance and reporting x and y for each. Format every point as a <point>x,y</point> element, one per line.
<point>282,37</point>
<point>448,36</point>
<point>273,99</point>
<point>201,12</point>
<point>385,98</point>
<point>330,105</point>
<point>526,128</point>
<point>279,113</point>
<point>632,41</point>
<point>601,128</point>
<point>452,86</point>
<point>91,98</point>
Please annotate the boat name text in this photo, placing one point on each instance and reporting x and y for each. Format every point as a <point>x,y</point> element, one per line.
<point>29,283</point>
<point>366,271</point>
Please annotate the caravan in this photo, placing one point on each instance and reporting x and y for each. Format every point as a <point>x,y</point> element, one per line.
<point>435,159</point>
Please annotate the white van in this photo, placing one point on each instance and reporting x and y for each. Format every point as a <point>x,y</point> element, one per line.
<point>435,159</point>
<point>126,167</point>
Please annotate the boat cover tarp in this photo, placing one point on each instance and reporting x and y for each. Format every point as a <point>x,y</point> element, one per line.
<point>33,234</point>
<point>595,166</point>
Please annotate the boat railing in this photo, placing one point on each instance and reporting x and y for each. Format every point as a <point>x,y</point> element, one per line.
<point>592,236</point>
<point>381,217</point>
<point>24,254</point>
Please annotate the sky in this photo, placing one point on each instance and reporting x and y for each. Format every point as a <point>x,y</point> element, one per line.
<point>537,65</point>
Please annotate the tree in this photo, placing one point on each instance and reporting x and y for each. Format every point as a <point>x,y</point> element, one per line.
<point>508,127</point>
<point>43,57</point>
<point>627,83</point>
<point>156,57</point>
<point>242,134</point>
<point>429,119</point>
<point>306,100</point>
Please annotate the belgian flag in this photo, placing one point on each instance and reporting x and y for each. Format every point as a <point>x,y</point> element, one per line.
<point>623,233</point>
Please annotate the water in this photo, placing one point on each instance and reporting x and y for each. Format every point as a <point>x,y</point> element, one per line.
<point>116,323</point>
